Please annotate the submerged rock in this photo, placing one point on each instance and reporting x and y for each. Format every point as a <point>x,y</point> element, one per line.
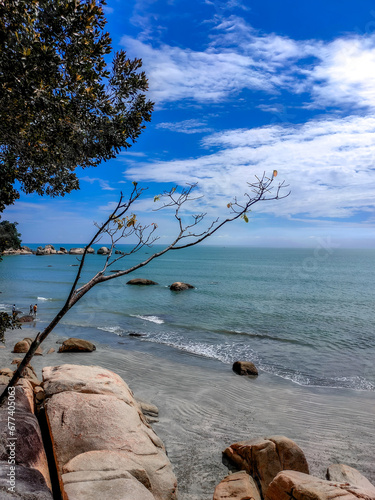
<point>178,286</point>
<point>141,281</point>
<point>103,251</point>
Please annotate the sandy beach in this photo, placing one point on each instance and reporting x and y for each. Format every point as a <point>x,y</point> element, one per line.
<point>203,409</point>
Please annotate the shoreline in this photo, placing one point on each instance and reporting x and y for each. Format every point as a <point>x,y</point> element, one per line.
<point>202,411</point>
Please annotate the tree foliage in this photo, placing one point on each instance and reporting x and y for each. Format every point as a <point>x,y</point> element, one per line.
<point>9,236</point>
<point>7,322</point>
<point>60,106</point>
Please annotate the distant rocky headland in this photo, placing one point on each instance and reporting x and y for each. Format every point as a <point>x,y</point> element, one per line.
<point>51,250</point>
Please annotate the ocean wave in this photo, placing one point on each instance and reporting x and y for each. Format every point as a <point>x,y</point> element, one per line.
<point>43,299</point>
<point>228,353</point>
<point>117,330</point>
<point>221,352</point>
<point>266,336</point>
<point>153,319</point>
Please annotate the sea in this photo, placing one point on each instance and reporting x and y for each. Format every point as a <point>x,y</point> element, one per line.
<point>305,315</point>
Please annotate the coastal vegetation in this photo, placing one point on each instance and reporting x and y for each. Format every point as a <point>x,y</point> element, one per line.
<point>60,106</point>
<point>9,236</point>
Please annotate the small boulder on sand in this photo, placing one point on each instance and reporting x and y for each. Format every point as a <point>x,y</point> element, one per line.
<point>245,368</point>
<point>77,345</point>
<point>24,345</point>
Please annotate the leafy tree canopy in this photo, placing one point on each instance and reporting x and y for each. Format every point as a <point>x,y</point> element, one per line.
<point>9,236</point>
<point>60,106</point>
<point>7,321</point>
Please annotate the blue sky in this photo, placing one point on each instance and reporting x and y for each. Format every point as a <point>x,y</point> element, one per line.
<point>241,87</point>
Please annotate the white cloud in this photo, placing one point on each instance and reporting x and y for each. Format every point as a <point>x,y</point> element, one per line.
<point>191,126</point>
<point>328,163</point>
<point>337,73</point>
<point>103,184</point>
<point>345,73</point>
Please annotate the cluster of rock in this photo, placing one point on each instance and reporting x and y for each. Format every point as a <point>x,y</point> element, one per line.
<point>275,468</point>
<point>51,250</point>
<point>70,345</point>
<point>177,286</point>
<point>24,250</point>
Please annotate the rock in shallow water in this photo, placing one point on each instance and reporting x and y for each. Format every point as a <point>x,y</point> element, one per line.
<point>245,368</point>
<point>178,286</point>
<point>77,345</point>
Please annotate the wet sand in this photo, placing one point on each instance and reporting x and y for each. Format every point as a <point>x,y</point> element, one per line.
<point>204,407</point>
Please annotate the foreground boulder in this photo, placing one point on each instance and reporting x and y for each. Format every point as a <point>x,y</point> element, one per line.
<point>141,281</point>
<point>238,486</point>
<point>245,368</point>
<point>298,486</point>
<point>264,458</point>
<point>22,456</point>
<point>102,444</point>
<point>77,345</point>
<point>178,286</point>
<point>28,483</point>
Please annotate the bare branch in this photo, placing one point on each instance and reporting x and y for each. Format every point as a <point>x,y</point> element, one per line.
<point>119,225</point>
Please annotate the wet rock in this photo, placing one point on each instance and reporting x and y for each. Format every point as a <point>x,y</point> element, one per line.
<point>178,286</point>
<point>103,251</point>
<point>77,345</point>
<point>245,368</point>
<point>26,319</point>
<point>141,281</point>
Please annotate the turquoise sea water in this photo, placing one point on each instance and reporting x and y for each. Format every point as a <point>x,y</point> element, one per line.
<point>306,315</point>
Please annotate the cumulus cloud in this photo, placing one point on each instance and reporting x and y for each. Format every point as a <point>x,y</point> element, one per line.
<point>328,163</point>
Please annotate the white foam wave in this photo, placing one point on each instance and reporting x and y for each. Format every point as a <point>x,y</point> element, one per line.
<point>153,319</point>
<point>43,299</point>
<point>117,330</point>
<point>228,353</point>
